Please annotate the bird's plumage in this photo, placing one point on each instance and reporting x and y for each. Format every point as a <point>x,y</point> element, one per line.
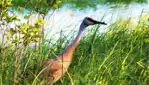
<point>57,67</point>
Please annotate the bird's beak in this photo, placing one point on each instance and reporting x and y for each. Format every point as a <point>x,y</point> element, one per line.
<point>98,22</point>
<point>95,21</point>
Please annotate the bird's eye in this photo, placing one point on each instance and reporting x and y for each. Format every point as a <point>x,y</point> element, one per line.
<point>90,19</point>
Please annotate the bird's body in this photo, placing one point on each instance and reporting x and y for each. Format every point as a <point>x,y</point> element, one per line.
<point>55,68</point>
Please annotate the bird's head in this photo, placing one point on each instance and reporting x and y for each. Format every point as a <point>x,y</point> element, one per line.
<point>89,21</point>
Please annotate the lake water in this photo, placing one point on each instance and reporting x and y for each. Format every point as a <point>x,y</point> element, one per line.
<point>67,19</point>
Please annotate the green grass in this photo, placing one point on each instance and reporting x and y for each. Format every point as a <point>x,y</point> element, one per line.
<point>119,56</point>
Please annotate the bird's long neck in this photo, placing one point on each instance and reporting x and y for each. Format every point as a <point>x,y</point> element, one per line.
<point>71,47</point>
<point>67,54</point>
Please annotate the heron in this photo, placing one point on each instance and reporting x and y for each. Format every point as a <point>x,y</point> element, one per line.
<point>57,67</point>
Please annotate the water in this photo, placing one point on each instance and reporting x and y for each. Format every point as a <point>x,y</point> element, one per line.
<point>67,19</point>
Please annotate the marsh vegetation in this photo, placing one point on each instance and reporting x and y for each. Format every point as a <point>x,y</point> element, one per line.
<point>119,56</point>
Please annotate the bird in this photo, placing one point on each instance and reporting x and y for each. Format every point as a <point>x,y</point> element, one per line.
<point>55,68</point>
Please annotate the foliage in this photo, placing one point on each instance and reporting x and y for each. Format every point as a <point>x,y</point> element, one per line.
<point>40,6</point>
<point>17,35</point>
<point>4,5</point>
<point>79,4</point>
<point>29,33</point>
<point>116,57</point>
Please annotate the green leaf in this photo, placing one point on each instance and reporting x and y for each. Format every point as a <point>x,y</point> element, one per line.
<point>3,23</point>
<point>146,40</point>
<point>31,34</point>
<point>14,17</point>
<point>36,30</point>
<point>46,23</point>
<point>58,2</point>
<point>9,3</point>
<point>8,35</point>
<point>55,6</point>
<point>39,20</point>
<point>23,31</point>
<point>38,36</point>
<point>26,16</point>
<point>12,31</point>
<point>15,41</point>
